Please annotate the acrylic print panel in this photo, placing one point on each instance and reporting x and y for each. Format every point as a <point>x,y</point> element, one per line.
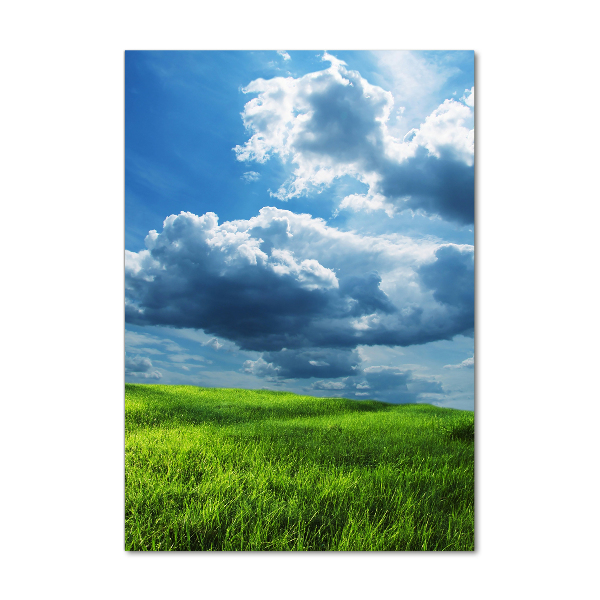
<point>299,289</point>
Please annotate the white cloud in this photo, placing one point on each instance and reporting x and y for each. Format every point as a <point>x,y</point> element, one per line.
<point>150,351</point>
<point>194,335</point>
<point>182,358</point>
<point>367,202</point>
<point>133,341</point>
<point>260,368</point>
<point>333,122</point>
<point>468,363</point>
<point>309,272</point>
<point>284,55</point>
<point>189,237</point>
<point>414,80</point>
<point>470,99</point>
<point>214,343</point>
<point>444,131</point>
<point>250,176</point>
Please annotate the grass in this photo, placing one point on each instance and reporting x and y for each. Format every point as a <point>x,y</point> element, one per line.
<point>226,469</point>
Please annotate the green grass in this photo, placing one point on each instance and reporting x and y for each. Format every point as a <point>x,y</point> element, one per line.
<point>225,469</point>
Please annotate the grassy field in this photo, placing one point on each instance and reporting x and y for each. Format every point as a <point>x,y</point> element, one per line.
<point>225,469</point>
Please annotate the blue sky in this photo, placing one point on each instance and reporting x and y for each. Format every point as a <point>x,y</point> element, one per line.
<point>301,221</point>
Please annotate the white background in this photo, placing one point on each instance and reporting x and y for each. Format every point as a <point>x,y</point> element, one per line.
<point>62,302</point>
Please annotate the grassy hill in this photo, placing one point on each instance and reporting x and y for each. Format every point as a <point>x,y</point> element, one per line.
<point>226,469</point>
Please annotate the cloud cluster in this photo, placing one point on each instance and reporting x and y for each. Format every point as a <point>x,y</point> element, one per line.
<point>304,304</point>
<point>281,280</point>
<point>390,384</point>
<point>333,123</point>
<point>305,363</point>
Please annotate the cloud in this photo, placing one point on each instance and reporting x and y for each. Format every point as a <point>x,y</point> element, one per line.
<point>284,55</point>
<point>451,277</point>
<point>138,366</point>
<point>196,336</point>
<point>322,362</point>
<point>260,368</point>
<point>415,78</point>
<point>468,363</point>
<point>214,343</point>
<point>329,385</point>
<point>133,341</point>
<point>333,123</point>
<point>470,99</point>
<point>250,176</point>
<point>393,384</point>
<point>182,358</point>
<point>281,280</point>
<point>390,384</point>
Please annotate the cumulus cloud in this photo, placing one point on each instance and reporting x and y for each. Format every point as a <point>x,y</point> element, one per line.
<point>333,123</point>
<point>284,55</point>
<point>281,280</point>
<point>140,366</point>
<point>469,97</point>
<point>260,367</point>
<point>468,363</point>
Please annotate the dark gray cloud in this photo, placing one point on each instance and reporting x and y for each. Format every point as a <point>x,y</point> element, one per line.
<point>366,295</point>
<point>452,279</point>
<point>443,186</point>
<point>389,384</point>
<point>392,384</point>
<point>333,123</point>
<point>301,295</point>
<point>304,364</point>
<point>197,274</point>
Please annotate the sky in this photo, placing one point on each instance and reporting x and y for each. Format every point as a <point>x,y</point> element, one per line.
<point>301,221</point>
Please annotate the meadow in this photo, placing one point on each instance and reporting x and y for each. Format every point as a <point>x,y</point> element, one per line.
<point>234,469</point>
